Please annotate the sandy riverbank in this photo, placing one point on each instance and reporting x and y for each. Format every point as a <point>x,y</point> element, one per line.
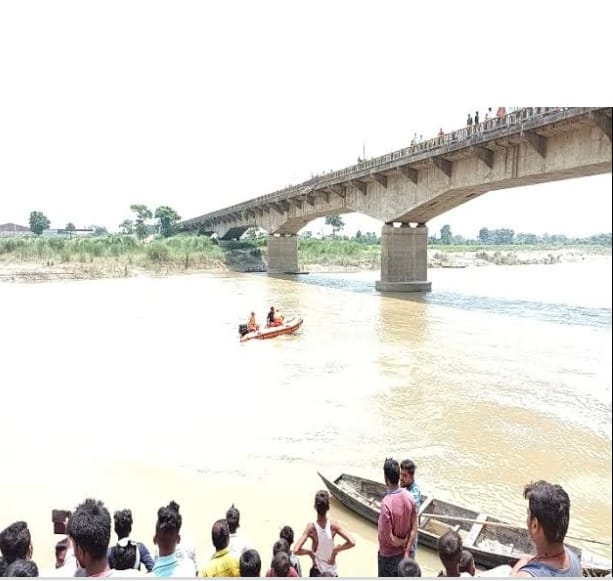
<point>438,257</point>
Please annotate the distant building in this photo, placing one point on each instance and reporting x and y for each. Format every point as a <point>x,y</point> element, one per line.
<point>10,229</point>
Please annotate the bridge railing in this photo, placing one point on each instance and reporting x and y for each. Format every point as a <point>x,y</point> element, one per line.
<point>456,138</point>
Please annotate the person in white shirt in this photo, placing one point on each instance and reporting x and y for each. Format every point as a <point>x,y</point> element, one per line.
<point>238,544</point>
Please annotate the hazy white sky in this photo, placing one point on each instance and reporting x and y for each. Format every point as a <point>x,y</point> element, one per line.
<point>200,105</point>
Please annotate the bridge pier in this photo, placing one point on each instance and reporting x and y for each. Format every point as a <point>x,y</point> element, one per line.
<point>404,259</point>
<point>283,254</point>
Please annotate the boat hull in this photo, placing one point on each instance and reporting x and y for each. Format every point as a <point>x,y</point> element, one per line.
<point>490,546</point>
<point>289,326</point>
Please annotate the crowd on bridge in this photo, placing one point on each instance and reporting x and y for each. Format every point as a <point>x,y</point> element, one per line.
<point>86,550</point>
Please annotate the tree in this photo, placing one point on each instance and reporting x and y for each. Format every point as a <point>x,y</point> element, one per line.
<point>38,222</point>
<point>484,236</point>
<point>446,234</point>
<point>100,231</point>
<point>70,229</point>
<point>336,222</point>
<point>167,220</point>
<point>127,227</point>
<point>142,215</point>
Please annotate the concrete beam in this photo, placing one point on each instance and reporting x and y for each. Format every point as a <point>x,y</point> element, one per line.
<point>278,209</point>
<point>360,185</point>
<point>380,179</point>
<point>339,190</point>
<point>310,199</point>
<point>602,122</point>
<point>444,165</point>
<point>538,142</point>
<point>485,155</point>
<point>324,195</point>
<point>297,203</point>
<point>409,173</point>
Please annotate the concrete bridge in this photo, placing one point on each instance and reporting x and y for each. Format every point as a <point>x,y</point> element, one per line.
<point>406,188</point>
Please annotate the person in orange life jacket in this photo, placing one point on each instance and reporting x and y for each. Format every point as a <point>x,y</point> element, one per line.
<point>252,324</point>
<point>322,532</point>
<point>278,319</point>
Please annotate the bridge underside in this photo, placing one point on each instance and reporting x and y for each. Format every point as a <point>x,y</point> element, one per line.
<point>414,193</point>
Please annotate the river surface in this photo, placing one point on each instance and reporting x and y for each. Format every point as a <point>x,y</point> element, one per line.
<point>137,391</point>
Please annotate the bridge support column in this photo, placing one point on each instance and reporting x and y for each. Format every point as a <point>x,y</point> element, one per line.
<point>404,259</point>
<point>283,254</point>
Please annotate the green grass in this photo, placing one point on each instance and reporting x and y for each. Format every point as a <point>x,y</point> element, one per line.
<point>115,254</point>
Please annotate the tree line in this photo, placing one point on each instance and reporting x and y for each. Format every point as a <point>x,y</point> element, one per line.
<point>507,236</point>
<point>139,225</point>
<point>167,220</point>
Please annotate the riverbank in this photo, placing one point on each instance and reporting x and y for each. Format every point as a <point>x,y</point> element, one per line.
<point>38,259</point>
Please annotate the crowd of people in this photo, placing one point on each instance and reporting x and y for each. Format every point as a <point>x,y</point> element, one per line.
<point>87,550</point>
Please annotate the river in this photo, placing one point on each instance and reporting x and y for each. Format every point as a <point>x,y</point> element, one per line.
<point>137,391</point>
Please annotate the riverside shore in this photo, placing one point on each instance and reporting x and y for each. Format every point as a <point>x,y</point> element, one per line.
<point>240,260</point>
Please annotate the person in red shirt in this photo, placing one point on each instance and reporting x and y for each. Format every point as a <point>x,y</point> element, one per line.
<point>397,526</point>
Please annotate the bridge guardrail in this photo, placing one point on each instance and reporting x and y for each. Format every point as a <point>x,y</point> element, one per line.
<point>452,140</point>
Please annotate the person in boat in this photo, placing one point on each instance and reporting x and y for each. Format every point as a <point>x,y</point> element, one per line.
<point>322,532</point>
<point>252,325</point>
<point>450,553</point>
<point>278,319</point>
<point>397,526</point>
<point>270,317</point>
<point>467,563</point>
<point>407,481</point>
<point>547,521</point>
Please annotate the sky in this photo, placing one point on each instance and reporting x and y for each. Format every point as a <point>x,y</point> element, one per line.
<point>200,105</point>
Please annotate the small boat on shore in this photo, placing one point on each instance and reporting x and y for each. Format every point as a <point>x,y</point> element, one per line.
<point>490,540</point>
<point>289,326</point>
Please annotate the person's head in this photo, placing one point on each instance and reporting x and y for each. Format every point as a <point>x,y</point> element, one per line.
<point>220,534</point>
<point>391,472</point>
<point>123,556</point>
<point>322,502</point>
<point>287,533</point>
<point>250,563</point>
<point>280,546</point>
<point>548,511</point>
<point>123,523</point>
<point>89,527</point>
<point>409,568</point>
<point>16,542</point>
<point>467,563</point>
<point>61,548</point>
<point>168,528</point>
<point>22,568</point>
<point>272,309</point>
<point>280,564</point>
<point>407,472</point>
<point>450,551</point>
<point>233,517</point>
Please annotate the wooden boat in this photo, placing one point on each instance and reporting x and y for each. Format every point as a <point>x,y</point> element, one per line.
<point>490,545</point>
<point>289,326</point>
